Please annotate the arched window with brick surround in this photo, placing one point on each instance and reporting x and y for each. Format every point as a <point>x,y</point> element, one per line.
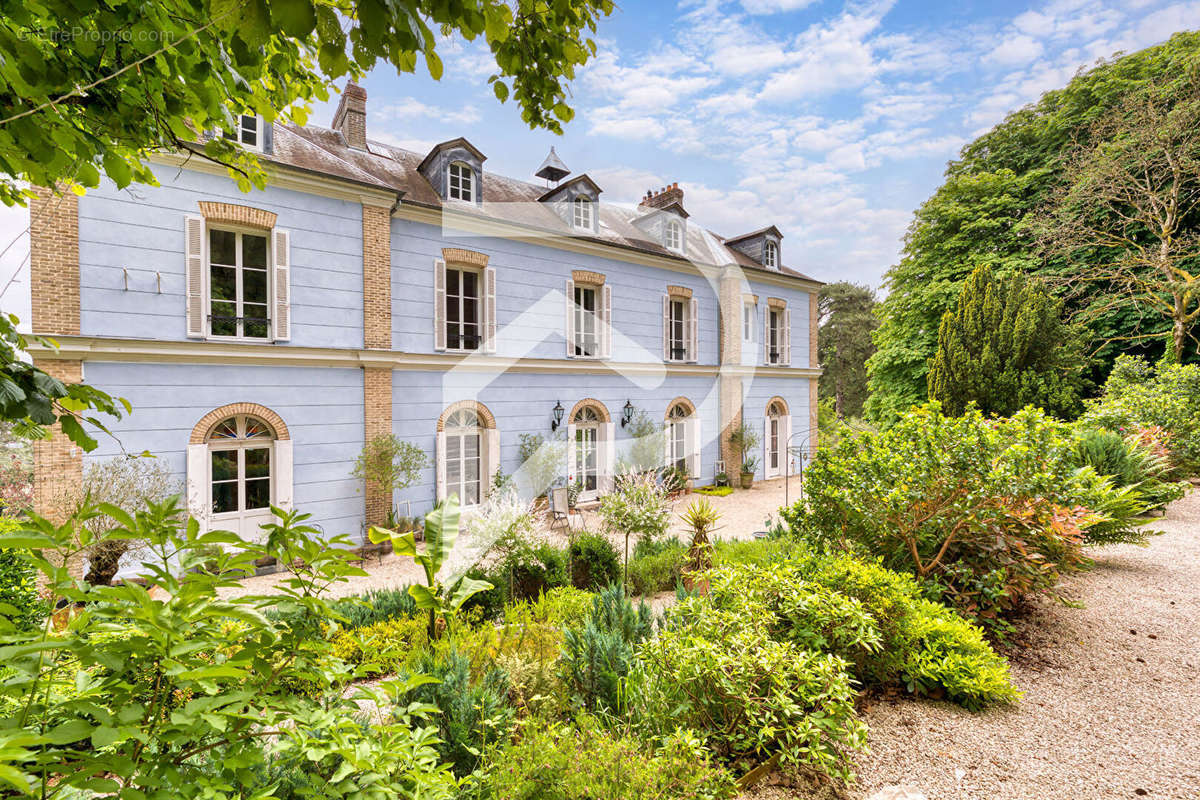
<point>468,452</point>
<point>239,464</point>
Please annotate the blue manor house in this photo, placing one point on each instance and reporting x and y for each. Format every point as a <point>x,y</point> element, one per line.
<point>263,337</point>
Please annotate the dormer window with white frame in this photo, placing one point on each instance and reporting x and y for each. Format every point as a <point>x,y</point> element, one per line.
<point>248,132</point>
<point>770,255</point>
<point>673,235</point>
<point>581,213</point>
<point>460,182</point>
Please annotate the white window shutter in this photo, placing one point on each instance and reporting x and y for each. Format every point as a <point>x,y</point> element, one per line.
<point>570,454</point>
<point>439,452</point>
<point>668,439</point>
<point>193,234</point>
<point>283,286</point>
<point>198,482</point>
<point>694,443</point>
<point>283,474</point>
<point>492,456</point>
<point>570,324</point>
<point>766,328</point>
<point>666,325</point>
<point>607,456</point>
<point>694,331</point>
<point>606,322</point>
<point>490,284</point>
<point>787,336</point>
<point>439,309</point>
<point>766,461</point>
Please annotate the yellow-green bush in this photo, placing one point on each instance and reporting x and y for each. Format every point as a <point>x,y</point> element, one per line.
<point>384,647</point>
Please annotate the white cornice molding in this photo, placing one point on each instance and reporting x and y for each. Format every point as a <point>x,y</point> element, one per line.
<point>93,348</point>
<point>477,225</point>
<point>284,178</point>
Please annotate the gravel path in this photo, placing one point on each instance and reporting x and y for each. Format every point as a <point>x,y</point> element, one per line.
<point>1112,693</point>
<point>742,512</point>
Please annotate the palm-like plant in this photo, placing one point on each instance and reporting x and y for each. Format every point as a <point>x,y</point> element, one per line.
<point>702,518</point>
<point>441,532</point>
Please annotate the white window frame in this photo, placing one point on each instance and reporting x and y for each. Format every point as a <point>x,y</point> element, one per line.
<point>239,295</point>
<point>581,213</point>
<point>238,136</point>
<point>480,298</point>
<point>748,322</point>
<point>679,451</point>
<point>240,445</point>
<point>677,346</point>
<point>673,235</point>
<point>585,319</point>
<point>770,254</point>
<point>774,343</point>
<point>465,179</point>
<point>460,434</point>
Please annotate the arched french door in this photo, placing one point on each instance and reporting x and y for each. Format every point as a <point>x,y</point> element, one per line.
<point>590,449</point>
<point>777,430</point>
<point>241,477</point>
<point>683,437</point>
<point>468,452</point>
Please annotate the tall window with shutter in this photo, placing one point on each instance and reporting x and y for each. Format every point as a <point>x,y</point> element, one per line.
<point>588,309</point>
<point>237,283</point>
<point>777,334</point>
<point>464,307</point>
<point>680,327</point>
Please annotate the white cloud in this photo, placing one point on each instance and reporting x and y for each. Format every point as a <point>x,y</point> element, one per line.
<point>832,58</point>
<point>408,108</point>
<point>1015,50</point>
<point>775,6</point>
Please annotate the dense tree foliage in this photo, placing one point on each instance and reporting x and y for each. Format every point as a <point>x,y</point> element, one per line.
<point>984,214</point>
<point>847,317</point>
<point>87,86</point>
<point>1005,347</point>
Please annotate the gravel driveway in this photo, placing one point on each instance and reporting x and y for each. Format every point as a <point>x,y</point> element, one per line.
<point>1112,693</point>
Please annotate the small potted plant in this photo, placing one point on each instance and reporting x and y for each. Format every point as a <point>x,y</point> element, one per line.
<point>743,439</point>
<point>749,467</point>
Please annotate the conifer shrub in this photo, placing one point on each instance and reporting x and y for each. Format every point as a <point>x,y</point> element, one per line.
<point>597,656</point>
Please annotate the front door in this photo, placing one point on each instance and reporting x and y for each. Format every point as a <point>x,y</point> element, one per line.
<point>241,488</point>
<point>587,461</point>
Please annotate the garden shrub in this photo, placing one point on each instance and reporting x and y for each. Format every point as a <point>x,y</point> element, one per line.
<point>657,566</point>
<point>746,695</point>
<point>376,605</point>
<point>20,603</point>
<point>220,672</point>
<point>597,655</point>
<point>983,512</point>
<point>1137,396</point>
<point>584,761</point>
<point>594,562</point>
<point>474,712</point>
<point>381,648</point>
<point>752,551</point>
<point>1130,464</point>
<point>543,567</point>
<point>562,606</point>
<point>925,646</point>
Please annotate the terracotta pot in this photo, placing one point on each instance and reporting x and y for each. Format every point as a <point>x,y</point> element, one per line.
<point>747,480</point>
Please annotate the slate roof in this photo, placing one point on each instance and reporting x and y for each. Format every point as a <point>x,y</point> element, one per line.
<point>383,166</point>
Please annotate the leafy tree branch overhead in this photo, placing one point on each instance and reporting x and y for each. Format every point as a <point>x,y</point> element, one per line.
<point>94,87</point>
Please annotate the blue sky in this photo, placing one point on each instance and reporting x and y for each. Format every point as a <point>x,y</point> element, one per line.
<point>832,120</point>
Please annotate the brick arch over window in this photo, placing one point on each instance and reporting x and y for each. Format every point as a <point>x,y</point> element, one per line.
<point>457,255</point>
<point>681,401</point>
<point>601,409</point>
<point>210,420</point>
<point>782,404</point>
<point>232,214</point>
<point>486,418</point>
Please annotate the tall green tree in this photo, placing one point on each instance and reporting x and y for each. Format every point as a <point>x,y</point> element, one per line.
<point>89,87</point>
<point>847,319</point>
<point>983,215</point>
<point>1005,347</point>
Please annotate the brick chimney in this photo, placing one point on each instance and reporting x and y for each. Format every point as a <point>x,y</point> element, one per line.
<point>351,116</point>
<point>663,197</point>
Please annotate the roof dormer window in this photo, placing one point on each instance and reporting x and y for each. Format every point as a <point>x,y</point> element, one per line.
<point>771,255</point>
<point>462,182</point>
<point>673,235</point>
<point>581,213</point>
<point>248,132</point>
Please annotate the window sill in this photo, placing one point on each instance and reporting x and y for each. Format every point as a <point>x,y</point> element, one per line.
<point>240,339</point>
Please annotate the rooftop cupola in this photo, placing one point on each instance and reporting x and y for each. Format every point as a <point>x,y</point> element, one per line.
<point>553,169</point>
